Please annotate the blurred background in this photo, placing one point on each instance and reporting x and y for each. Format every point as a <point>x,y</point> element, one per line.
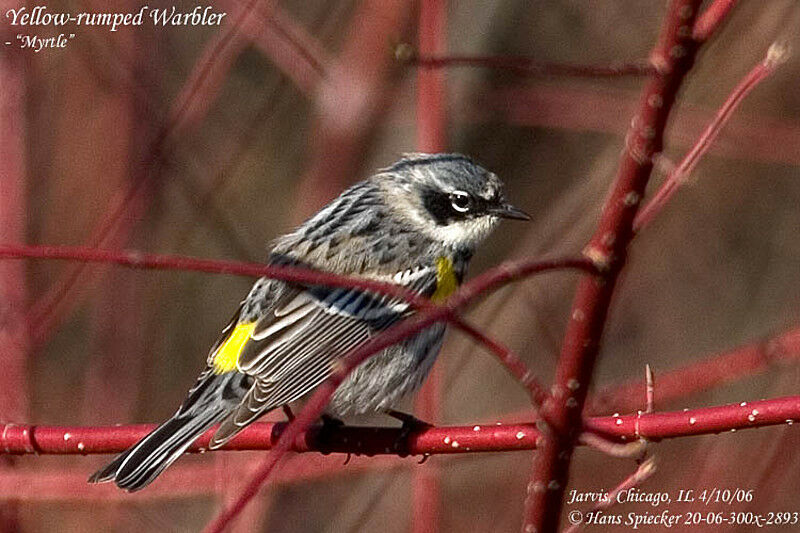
<point>212,141</point>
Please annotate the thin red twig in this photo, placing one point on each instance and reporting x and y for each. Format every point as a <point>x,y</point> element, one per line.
<point>293,49</point>
<point>702,375</point>
<point>642,474</point>
<point>352,101</point>
<point>286,43</point>
<point>139,260</point>
<point>612,448</point>
<point>694,377</point>
<point>673,56</point>
<point>61,440</point>
<point>583,107</point>
<point>711,19</point>
<point>201,88</point>
<point>526,66</point>
<point>489,280</point>
<point>649,390</point>
<point>513,363</point>
<point>204,68</point>
<point>776,55</point>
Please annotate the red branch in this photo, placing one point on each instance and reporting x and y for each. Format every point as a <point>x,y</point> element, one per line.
<point>492,279</point>
<point>525,66</point>
<point>673,56</point>
<point>701,375</point>
<point>710,20</point>
<point>204,83</point>
<point>642,474</point>
<point>139,260</point>
<point>513,363</point>
<point>57,440</point>
<point>489,280</point>
<point>298,54</point>
<point>589,107</point>
<point>776,55</point>
<point>352,101</point>
<point>286,43</point>
<point>703,421</point>
<point>182,107</point>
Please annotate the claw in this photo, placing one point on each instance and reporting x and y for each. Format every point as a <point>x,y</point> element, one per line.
<point>411,425</point>
<point>408,419</point>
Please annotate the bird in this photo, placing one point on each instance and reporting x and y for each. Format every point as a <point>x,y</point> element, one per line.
<point>416,224</point>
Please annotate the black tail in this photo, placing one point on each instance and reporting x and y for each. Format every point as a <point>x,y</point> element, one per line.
<point>137,467</point>
<point>209,401</point>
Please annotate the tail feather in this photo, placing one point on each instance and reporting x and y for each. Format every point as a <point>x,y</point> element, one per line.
<point>137,467</point>
<point>207,404</point>
<point>209,401</point>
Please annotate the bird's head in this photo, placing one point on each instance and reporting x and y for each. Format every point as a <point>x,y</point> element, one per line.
<point>447,197</point>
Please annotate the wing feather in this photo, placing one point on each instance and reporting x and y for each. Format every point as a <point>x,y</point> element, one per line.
<point>296,346</point>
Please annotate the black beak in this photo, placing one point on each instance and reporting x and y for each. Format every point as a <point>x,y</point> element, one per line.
<point>509,211</point>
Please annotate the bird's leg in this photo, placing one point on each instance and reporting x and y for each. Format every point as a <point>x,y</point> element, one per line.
<point>325,436</point>
<point>288,412</point>
<point>411,425</point>
<point>331,422</point>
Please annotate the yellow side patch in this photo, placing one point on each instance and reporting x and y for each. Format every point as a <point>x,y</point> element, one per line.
<point>446,280</point>
<point>228,353</point>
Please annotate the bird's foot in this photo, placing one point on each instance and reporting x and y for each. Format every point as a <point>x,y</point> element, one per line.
<point>326,433</point>
<point>411,425</point>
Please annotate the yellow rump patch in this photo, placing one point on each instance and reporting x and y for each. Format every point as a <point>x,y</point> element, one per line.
<point>446,280</point>
<point>228,353</point>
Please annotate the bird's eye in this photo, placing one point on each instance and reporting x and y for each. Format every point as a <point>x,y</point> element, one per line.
<point>461,201</point>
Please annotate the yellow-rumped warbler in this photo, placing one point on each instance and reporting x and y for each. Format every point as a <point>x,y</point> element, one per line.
<point>416,224</point>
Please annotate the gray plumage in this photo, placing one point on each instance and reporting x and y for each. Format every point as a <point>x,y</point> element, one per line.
<point>415,224</point>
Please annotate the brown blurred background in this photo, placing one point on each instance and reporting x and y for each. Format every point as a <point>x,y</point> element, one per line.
<point>112,159</point>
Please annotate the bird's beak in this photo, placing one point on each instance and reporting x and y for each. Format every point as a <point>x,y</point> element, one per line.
<point>509,211</point>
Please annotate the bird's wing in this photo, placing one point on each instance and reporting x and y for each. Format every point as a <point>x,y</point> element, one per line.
<point>297,345</point>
